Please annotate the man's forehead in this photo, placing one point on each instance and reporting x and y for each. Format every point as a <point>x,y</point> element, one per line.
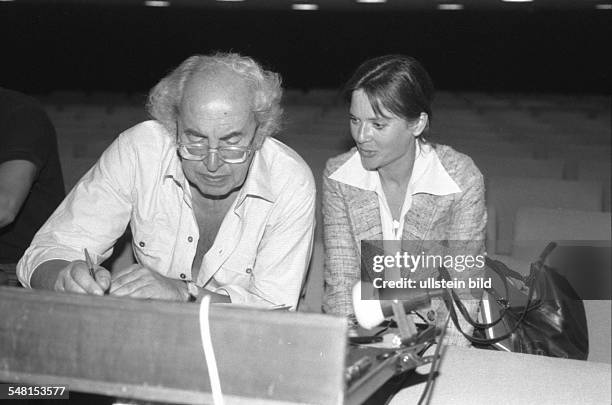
<point>217,96</point>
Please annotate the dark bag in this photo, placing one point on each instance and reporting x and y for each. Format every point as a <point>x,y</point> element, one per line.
<point>538,314</point>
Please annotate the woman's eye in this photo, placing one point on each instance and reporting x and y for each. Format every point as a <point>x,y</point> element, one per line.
<point>353,120</point>
<point>378,125</point>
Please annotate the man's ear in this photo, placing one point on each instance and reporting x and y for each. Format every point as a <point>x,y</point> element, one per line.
<point>420,124</point>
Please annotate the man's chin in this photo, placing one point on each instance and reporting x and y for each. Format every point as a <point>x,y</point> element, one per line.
<point>216,192</point>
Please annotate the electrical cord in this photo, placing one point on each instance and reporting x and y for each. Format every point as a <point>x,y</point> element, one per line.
<point>209,354</point>
<point>426,394</point>
<point>432,372</point>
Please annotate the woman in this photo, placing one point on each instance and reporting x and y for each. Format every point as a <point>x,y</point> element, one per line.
<point>396,185</point>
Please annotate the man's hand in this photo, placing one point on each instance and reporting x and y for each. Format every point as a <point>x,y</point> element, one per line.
<point>137,281</point>
<point>75,277</point>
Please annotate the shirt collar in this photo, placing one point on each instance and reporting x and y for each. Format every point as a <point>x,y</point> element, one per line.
<point>256,185</point>
<point>428,174</point>
<point>173,169</point>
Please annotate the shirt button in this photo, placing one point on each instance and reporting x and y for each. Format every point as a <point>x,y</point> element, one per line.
<point>141,244</point>
<point>183,276</point>
<point>431,315</point>
<point>190,239</point>
<point>249,270</point>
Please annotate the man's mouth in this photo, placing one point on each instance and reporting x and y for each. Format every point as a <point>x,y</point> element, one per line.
<point>213,179</point>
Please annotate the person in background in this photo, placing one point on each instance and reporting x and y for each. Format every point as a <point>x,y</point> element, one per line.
<point>215,205</point>
<point>31,181</point>
<point>396,185</point>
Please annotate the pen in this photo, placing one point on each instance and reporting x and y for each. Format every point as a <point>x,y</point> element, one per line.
<point>90,265</point>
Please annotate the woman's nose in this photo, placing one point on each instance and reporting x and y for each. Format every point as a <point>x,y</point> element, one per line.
<point>363,133</point>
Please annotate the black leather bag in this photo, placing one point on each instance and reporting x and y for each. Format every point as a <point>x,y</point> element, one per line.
<point>538,314</point>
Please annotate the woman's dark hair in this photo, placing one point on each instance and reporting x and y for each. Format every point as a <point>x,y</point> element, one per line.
<point>398,83</point>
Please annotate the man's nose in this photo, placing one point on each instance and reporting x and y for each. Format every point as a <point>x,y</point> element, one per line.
<point>212,161</point>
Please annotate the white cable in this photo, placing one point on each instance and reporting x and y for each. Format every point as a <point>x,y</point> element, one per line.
<point>209,354</point>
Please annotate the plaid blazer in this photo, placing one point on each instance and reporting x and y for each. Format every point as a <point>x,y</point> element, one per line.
<point>352,214</point>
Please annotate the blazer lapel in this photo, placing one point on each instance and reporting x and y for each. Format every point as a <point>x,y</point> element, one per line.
<point>420,217</point>
<point>417,228</point>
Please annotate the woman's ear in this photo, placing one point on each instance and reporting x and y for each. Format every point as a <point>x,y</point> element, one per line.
<point>420,124</point>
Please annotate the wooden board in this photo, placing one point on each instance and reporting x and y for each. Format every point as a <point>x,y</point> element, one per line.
<point>152,349</point>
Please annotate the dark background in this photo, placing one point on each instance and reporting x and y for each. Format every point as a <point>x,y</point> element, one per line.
<point>129,48</point>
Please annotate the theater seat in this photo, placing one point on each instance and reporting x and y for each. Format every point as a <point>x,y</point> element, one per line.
<point>495,148</point>
<point>519,167</point>
<point>535,227</point>
<point>597,170</point>
<point>508,194</point>
<point>573,154</point>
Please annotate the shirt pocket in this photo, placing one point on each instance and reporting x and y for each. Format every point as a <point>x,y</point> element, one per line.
<point>237,269</point>
<point>147,239</point>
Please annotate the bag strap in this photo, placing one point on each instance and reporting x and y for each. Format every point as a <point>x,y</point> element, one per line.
<point>504,273</point>
<point>501,301</point>
<point>535,271</point>
<point>451,308</point>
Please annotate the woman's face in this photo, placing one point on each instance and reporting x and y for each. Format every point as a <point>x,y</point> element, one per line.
<point>381,139</point>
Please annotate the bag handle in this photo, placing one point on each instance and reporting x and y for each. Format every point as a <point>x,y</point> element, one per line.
<point>445,275</point>
<point>504,271</point>
<point>448,300</point>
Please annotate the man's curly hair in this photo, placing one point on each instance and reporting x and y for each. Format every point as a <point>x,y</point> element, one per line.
<point>165,97</point>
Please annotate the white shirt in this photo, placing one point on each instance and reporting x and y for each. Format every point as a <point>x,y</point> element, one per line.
<point>262,249</point>
<point>428,176</point>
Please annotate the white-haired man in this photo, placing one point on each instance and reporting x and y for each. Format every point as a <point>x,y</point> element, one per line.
<point>215,205</point>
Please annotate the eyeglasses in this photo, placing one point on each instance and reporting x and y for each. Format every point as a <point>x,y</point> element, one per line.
<point>228,154</point>
<point>201,151</point>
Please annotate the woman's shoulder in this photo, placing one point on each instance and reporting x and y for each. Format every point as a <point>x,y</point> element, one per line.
<point>335,162</point>
<point>459,166</point>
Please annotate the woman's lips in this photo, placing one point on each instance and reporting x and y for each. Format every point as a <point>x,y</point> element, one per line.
<point>367,153</point>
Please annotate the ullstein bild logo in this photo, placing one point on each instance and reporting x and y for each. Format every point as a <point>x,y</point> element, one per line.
<point>403,266</point>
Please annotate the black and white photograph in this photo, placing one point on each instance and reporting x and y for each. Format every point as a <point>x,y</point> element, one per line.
<point>305,202</point>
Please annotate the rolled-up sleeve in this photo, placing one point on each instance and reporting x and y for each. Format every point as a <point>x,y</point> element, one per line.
<point>93,215</point>
<point>341,253</point>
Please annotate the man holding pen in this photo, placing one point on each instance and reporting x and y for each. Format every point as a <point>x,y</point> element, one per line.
<point>215,205</point>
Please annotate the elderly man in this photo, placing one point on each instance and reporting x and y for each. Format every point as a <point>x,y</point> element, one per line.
<point>215,205</point>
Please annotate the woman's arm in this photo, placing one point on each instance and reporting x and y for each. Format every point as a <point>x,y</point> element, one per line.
<point>466,237</point>
<point>342,267</point>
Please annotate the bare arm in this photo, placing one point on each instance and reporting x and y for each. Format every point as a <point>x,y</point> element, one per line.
<point>16,179</point>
